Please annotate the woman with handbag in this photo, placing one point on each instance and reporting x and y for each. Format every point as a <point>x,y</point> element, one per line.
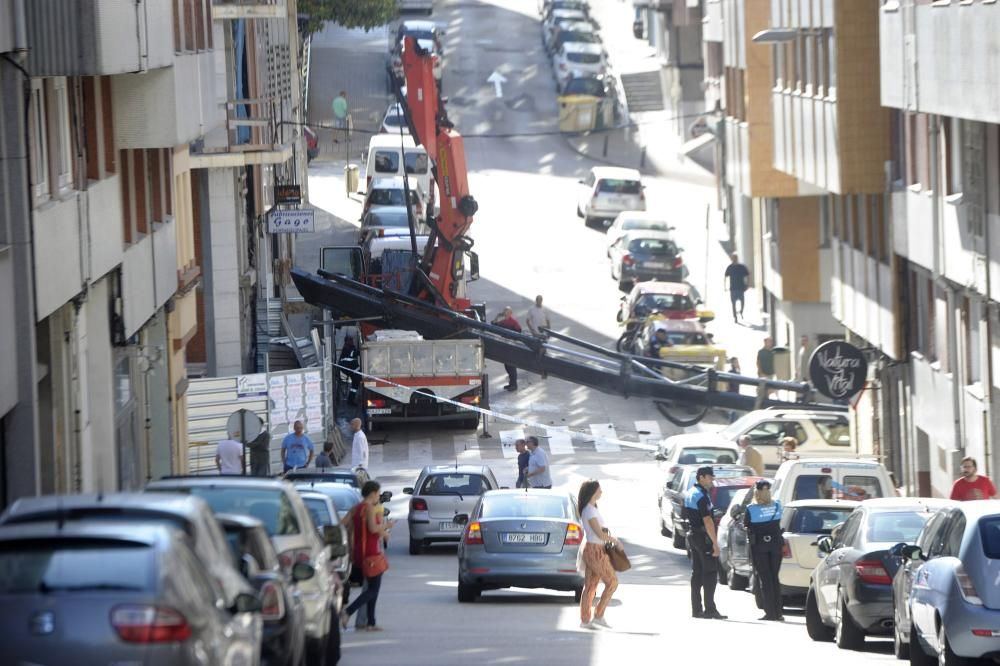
<point>369,559</point>
<point>595,558</point>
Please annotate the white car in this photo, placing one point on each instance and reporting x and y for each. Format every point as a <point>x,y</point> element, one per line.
<point>630,220</point>
<point>818,433</point>
<point>607,191</point>
<point>803,522</point>
<point>851,479</point>
<point>390,191</point>
<point>578,59</point>
<point>557,16</point>
<point>693,453</point>
<point>393,120</point>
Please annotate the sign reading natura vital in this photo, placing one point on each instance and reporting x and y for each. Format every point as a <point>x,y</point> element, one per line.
<point>838,369</point>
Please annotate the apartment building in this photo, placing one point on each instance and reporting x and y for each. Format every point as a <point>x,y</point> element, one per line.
<point>125,141</point>
<point>674,28</point>
<point>937,62</point>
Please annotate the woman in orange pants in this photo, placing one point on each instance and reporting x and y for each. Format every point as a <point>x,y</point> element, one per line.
<point>598,566</point>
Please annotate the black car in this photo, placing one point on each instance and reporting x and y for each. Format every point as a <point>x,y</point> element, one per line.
<point>676,485</point>
<point>324,475</point>
<point>850,592</point>
<point>643,255</point>
<point>284,636</point>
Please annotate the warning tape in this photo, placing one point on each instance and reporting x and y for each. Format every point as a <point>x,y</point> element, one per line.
<point>499,415</point>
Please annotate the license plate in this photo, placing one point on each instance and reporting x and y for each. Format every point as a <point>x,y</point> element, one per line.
<point>524,537</point>
<point>384,410</point>
<point>449,526</point>
<point>654,264</point>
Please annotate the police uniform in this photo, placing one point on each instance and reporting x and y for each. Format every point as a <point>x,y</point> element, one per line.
<point>763,523</point>
<point>704,567</point>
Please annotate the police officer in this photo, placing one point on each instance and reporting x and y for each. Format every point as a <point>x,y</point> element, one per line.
<point>763,523</point>
<point>703,544</point>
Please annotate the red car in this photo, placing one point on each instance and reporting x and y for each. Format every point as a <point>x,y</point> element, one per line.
<point>673,300</point>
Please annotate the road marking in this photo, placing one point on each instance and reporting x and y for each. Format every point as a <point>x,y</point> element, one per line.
<point>651,427</point>
<point>507,438</point>
<point>604,436</point>
<point>560,441</point>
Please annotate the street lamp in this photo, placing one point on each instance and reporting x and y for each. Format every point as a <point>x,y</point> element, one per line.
<point>775,36</point>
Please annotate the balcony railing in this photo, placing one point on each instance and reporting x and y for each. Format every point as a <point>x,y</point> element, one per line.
<point>248,9</point>
<point>252,136</point>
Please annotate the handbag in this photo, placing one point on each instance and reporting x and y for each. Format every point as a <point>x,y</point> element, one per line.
<point>616,554</point>
<point>371,565</point>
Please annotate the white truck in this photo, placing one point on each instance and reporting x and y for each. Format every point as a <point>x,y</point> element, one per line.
<point>409,379</point>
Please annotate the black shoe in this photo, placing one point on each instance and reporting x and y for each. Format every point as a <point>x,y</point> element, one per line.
<point>714,615</point>
<point>765,617</point>
<point>697,614</point>
<point>509,388</point>
<point>780,618</point>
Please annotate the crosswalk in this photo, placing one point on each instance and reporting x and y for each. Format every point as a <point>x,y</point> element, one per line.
<point>395,449</point>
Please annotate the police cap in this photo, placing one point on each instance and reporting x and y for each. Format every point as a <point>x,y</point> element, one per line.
<point>763,483</point>
<point>705,471</point>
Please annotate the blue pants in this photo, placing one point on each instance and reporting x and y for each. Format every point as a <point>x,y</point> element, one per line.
<point>734,296</point>
<point>368,596</point>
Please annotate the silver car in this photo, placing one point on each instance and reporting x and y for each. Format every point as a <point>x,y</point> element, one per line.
<point>440,493</point>
<point>521,538</point>
<point>89,592</point>
<point>324,512</point>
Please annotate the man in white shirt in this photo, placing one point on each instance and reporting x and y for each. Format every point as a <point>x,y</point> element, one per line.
<point>538,474</point>
<point>538,318</point>
<point>359,447</point>
<point>229,457</point>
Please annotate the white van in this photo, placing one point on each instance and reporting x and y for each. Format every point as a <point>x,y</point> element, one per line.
<point>831,478</point>
<point>389,154</point>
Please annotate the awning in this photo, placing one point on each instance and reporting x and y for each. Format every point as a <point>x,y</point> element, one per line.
<point>700,150</point>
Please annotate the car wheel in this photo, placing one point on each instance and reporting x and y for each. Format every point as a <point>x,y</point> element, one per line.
<point>723,574</point>
<point>678,541</point>
<point>467,593</point>
<point>577,595</point>
<point>664,530</point>
<point>814,623</point>
<point>587,221</point>
<point>918,657</point>
<point>333,639</point>
<point>946,657</point>
<point>579,212</point>
<point>415,546</point>
<point>900,648</point>
<point>315,654</point>
<point>624,285</point>
<point>737,581</point>
<point>849,635</point>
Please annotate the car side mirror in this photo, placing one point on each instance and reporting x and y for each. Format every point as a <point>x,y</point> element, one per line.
<point>385,497</point>
<point>245,603</point>
<point>661,457</point>
<point>824,545</point>
<point>460,519</point>
<point>736,511</point>
<point>407,491</point>
<point>333,535</point>
<point>909,552</point>
<point>302,571</point>
<point>581,181</point>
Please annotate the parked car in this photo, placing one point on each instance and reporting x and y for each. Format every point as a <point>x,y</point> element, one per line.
<point>689,344</point>
<point>112,592</point>
<point>425,6</point>
<point>546,7</point>
<point>735,567</point>
<point>818,433</point>
<point>343,475</point>
<point>945,594</point>
<point>344,496</point>
<point>850,591</point>
<point>390,192</point>
<point>673,454</point>
<point>284,637</point>
<point>671,497</point>
<point>573,32</point>
<point>279,507</point>
<point>393,120</point>
<point>578,58</point>
<point>803,522</point>
<point>439,494</point>
<point>556,16</point>
<point>392,155</point>
<point>635,220</point>
<point>607,191</point>
<point>672,300</point>
<point>646,255</point>
<point>521,538</point>
<point>831,478</point>
<point>324,512</point>
<point>390,220</point>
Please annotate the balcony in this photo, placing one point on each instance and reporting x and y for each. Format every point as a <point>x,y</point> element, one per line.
<point>248,9</point>
<point>252,136</point>
<point>711,25</point>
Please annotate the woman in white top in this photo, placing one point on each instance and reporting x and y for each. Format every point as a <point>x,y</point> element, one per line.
<point>598,566</point>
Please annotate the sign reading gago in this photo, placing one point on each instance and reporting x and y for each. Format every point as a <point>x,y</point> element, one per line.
<point>291,221</point>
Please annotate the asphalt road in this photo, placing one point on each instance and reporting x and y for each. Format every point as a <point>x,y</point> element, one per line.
<point>530,241</point>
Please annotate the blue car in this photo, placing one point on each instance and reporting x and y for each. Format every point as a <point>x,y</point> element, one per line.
<point>946,596</point>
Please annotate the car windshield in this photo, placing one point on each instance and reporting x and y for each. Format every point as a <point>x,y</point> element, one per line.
<point>343,498</point>
<point>386,161</point>
<point>822,486</point>
<point>390,196</point>
<point>579,36</point>
<point>270,507</point>
<point>584,58</point>
<point>723,496</point>
<point>634,223</point>
<point>706,454</point>
<point>619,186</point>
<point>394,118</point>
<point>895,526</point>
<point>419,34</point>
<point>452,484</point>
<point>319,511</point>
<point>665,302</point>
<point>739,426</point>
<point>393,218</point>
<point>584,86</point>
<point>817,520</point>
<point>657,246</point>
<point>526,506</point>
<point>989,531</point>
<point>837,433</point>
<point>415,162</point>
<point>41,567</point>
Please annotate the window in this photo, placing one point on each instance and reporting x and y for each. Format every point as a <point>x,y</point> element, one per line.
<point>832,61</point>
<point>39,145</point>
<point>415,162</point>
<point>971,317</point>
<point>526,506</point>
<point>825,220</point>
<point>953,154</point>
<point>271,507</point>
<point>61,147</point>
<point>453,484</point>
<point>817,521</point>
<point>989,531</point>
<point>318,511</point>
<point>930,531</point>
<point>386,161</point>
<point>822,62</point>
<point>953,542</point>
<point>809,63</point>
<point>894,527</point>
<point>26,568</point>
<point>847,531</point>
<point>837,433</point>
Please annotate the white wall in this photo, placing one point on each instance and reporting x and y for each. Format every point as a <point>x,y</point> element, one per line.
<point>58,270</point>
<point>133,36</point>
<point>933,412</point>
<point>226,320</point>
<point>104,215</point>
<point>99,466</point>
<point>149,275</point>
<point>892,48</point>
<point>913,226</point>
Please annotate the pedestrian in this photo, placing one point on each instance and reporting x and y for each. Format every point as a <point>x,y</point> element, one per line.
<point>370,528</point>
<point>703,545</point>
<point>522,463</point>
<point>738,276</point>
<point>229,456</point>
<point>660,341</point>
<point>339,113</point>
<point>538,474</point>
<point>765,359</point>
<point>359,451</point>
<point>595,558</point>
<point>296,449</point>
<point>506,320</point>
<point>788,447</point>
<point>750,456</point>
<point>802,359</point>
<point>537,319</point>
<point>349,364</point>
<point>325,459</point>
<point>260,454</point>
<point>972,485</point>
<point>733,386</point>
<point>763,522</point>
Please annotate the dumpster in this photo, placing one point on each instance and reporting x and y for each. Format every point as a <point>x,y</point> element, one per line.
<point>351,174</point>
<point>578,113</point>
